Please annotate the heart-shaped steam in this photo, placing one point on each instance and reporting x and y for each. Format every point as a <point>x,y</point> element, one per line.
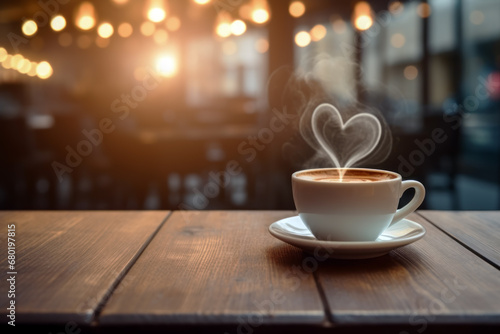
<point>345,143</point>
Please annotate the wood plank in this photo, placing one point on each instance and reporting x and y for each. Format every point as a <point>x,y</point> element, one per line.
<point>67,262</point>
<point>214,267</point>
<point>430,282</point>
<point>477,230</point>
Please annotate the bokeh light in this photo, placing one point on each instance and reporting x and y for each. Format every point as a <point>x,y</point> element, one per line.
<point>6,63</point>
<point>476,17</point>
<point>44,70</point>
<point>148,28</point>
<point>85,18</point>
<point>424,10</point>
<point>362,16</point>
<point>125,29</point>
<point>302,39</point>
<point>3,54</point>
<point>166,66</point>
<point>339,26</point>
<point>398,40</point>
<point>410,72</point>
<point>173,23</point>
<point>396,7</point>
<point>297,8</point>
<point>238,27</point>
<point>202,2</point>
<point>160,36</point>
<point>15,60</point>
<point>105,30</point>
<point>262,45</point>
<point>260,15</point>
<point>101,42</point>
<point>29,28</point>
<point>223,29</point>
<point>58,23</point>
<point>32,71</point>
<point>156,14</point>
<point>318,32</point>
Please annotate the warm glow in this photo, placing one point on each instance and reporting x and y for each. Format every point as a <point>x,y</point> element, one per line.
<point>297,8</point>
<point>362,16</point>
<point>363,22</point>
<point>44,70</point>
<point>260,16</point>
<point>262,45</point>
<point>125,29</point>
<point>148,28</point>
<point>58,23</point>
<point>202,2</point>
<point>6,63</point>
<point>120,2</point>
<point>156,14</point>
<point>160,36</point>
<point>173,23</point>
<point>302,39</point>
<point>410,72</point>
<point>3,54</point>
<point>29,27</point>
<point>238,27</point>
<point>85,18</point>
<point>15,60</point>
<point>32,71</point>
<point>476,17</point>
<point>223,29</point>
<point>424,10</point>
<point>156,10</point>
<point>65,39</point>
<point>318,32</point>
<point>24,66</point>
<point>398,40</point>
<point>245,11</point>
<point>105,30</point>
<point>166,66</point>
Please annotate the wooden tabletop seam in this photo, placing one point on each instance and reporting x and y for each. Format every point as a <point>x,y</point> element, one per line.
<point>123,274</point>
<point>460,242</point>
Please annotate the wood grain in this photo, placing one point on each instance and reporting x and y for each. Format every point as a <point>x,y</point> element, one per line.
<point>478,230</point>
<point>217,268</point>
<point>67,262</point>
<point>433,281</point>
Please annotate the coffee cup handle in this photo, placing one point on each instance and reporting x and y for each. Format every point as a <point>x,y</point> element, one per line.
<point>415,202</point>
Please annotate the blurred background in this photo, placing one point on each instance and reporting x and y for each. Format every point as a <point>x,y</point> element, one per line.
<point>198,104</point>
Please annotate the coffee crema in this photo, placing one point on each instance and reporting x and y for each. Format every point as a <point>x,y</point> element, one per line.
<point>350,176</point>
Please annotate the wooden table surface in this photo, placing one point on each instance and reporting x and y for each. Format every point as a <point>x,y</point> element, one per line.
<point>221,271</point>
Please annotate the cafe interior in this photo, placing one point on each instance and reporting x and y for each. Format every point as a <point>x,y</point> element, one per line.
<point>206,104</point>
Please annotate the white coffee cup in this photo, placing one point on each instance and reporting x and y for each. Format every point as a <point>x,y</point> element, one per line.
<point>357,208</point>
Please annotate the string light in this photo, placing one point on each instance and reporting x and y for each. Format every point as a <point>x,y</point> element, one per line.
<point>24,66</point>
<point>260,11</point>
<point>105,30</point>
<point>302,39</point>
<point>29,28</point>
<point>58,23</point>
<point>297,8</point>
<point>85,18</point>
<point>125,29</point>
<point>44,70</point>
<point>166,66</point>
<point>318,32</point>
<point>362,16</point>
<point>156,11</point>
<point>238,27</point>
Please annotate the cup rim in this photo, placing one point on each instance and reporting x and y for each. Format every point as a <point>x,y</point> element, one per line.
<point>396,178</point>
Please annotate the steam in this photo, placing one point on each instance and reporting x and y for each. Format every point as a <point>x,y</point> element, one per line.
<point>337,129</point>
<point>345,143</point>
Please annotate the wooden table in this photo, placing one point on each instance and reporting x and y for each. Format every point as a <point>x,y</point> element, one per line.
<point>222,272</point>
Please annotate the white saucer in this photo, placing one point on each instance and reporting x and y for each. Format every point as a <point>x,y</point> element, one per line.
<point>293,231</point>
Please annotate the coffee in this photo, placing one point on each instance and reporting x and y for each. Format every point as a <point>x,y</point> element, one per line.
<point>350,176</point>
<point>353,204</point>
